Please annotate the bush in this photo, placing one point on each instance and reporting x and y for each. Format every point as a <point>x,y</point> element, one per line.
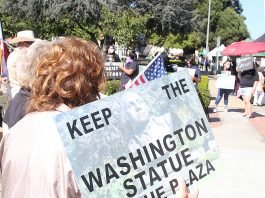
<point>204,94</point>
<point>111,87</point>
<point>180,63</point>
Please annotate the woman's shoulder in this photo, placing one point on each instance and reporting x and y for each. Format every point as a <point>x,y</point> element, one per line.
<point>36,122</point>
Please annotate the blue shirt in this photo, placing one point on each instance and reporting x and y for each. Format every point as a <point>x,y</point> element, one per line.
<point>197,75</point>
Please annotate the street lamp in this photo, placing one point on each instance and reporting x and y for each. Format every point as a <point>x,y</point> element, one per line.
<point>208,28</point>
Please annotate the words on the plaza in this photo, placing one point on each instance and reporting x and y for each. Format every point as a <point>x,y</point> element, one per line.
<point>135,143</point>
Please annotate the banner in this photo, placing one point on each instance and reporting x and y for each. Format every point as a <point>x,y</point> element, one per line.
<point>136,142</point>
<point>244,63</point>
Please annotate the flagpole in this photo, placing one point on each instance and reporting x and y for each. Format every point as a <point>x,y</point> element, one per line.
<point>208,28</point>
<point>7,44</point>
<point>146,67</point>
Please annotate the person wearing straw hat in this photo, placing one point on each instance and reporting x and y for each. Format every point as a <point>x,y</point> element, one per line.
<point>23,40</point>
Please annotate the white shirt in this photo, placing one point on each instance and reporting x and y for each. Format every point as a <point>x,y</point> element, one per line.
<point>260,83</point>
<point>34,162</point>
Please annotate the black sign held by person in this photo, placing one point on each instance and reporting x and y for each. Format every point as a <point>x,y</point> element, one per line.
<point>244,63</point>
<point>136,142</point>
<point>112,70</point>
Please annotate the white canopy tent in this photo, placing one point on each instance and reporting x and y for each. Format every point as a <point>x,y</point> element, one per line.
<point>217,50</point>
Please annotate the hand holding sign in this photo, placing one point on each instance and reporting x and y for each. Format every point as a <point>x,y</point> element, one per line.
<point>183,193</point>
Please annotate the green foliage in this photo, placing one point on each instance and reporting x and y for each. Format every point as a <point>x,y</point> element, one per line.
<point>218,12</point>
<point>231,27</point>
<point>177,61</point>
<point>204,91</point>
<point>124,26</point>
<point>156,39</point>
<point>191,41</point>
<point>173,41</point>
<point>168,23</point>
<point>180,63</point>
<point>111,87</point>
<point>10,27</point>
<point>168,16</point>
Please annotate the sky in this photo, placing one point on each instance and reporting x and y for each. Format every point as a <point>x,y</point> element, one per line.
<point>255,17</point>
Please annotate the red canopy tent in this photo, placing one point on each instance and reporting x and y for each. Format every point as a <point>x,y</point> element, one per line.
<point>243,48</point>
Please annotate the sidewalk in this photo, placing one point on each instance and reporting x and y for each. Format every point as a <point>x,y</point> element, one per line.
<point>242,145</point>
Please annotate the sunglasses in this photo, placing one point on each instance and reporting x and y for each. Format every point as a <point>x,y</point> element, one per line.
<point>24,44</point>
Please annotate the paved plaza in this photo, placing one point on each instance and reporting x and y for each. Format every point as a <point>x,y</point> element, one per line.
<point>242,145</point>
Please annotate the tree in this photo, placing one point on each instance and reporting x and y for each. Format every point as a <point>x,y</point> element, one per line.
<point>168,16</point>
<point>218,11</point>
<point>165,22</point>
<point>76,13</point>
<point>124,26</point>
<point>231,27</point>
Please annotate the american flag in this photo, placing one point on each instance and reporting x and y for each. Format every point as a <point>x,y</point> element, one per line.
<point>4,53</point>
<point>155,69</point>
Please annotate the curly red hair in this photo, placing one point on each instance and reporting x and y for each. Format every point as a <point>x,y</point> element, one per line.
<point>70,72</point>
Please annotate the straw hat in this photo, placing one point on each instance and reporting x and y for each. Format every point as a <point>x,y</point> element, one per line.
<point>23,36</point>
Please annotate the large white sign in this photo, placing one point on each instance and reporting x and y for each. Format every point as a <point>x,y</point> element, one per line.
<point>262,62</point>
<point>190,70</point>
<point>225,81</point>
<point>136,142</point>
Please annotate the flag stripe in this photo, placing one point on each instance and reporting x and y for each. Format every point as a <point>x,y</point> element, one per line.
<point>142,79</point>
<point>154,70</point>
<point>4,52</point>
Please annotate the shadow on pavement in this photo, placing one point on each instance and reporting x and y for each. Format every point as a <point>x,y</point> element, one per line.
<point>236,110</point>
<point>213,98</point>
<point>215,119</point>
<point>257,115</point>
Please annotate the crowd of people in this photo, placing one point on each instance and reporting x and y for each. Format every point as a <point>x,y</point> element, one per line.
<point>44,79</point>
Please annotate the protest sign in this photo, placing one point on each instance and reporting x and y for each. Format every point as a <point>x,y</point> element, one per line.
<point>244,63</point>
<point>135,143</point>
<point>190,70</point>
<point>225,81</point>
<point>262,62</point>
<point>112,70</point>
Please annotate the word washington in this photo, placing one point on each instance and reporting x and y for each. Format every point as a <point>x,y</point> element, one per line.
<point>143,159</point>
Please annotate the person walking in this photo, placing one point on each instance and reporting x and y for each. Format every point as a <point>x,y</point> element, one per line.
<point>223,92</point>
<point>248,83</point>
<point>259,92</point>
